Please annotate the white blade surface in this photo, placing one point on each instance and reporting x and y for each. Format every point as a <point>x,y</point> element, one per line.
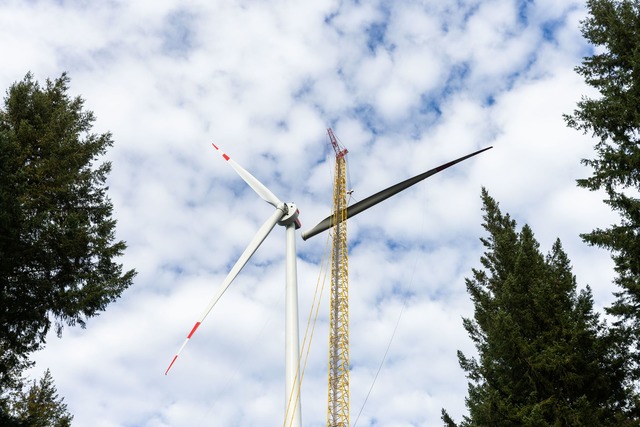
<point>262,233</point>
<point>253,182</point>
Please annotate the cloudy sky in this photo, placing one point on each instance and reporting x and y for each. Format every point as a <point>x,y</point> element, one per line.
<point>406,86</point>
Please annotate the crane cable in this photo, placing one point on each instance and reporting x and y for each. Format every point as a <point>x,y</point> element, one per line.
<point>381,364</point>
<point>393,334</point>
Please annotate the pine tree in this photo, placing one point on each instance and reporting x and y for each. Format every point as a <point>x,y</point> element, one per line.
<point>13,383</point>
<point>614,120</point>
<point>40,405</point>
<point>57,236</point>
<point>543,358</point>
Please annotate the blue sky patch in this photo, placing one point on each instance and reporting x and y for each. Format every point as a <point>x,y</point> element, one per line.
<point>523,11</point>
<point>366,114</point>
<point>376,35</point>
<point>178,37</point>
<point>550,28</point>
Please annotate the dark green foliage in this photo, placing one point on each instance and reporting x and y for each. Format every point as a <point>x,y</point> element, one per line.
<point>614,119</point>
<point>12,383</point>
<point>38,406</point>
<point>543,358</point>
<point>57,241</point>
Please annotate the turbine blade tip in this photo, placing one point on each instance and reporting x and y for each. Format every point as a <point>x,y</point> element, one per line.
<point>171,364</point>
<point>224,155</point>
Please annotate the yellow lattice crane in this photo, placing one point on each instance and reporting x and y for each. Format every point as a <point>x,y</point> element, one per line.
<point>338,401</point>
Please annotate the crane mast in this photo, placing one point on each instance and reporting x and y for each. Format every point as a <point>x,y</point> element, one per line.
<point>338,402</point>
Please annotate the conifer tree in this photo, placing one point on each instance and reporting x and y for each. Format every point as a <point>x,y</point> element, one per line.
<point>543,358</point>
<point>57,236</point>
<point>613,118</point>
<point>40,405</point>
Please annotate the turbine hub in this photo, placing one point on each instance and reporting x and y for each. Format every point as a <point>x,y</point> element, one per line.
<point>290,215</point>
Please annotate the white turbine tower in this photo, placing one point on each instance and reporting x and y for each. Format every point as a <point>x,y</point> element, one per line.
<point>286,214</point>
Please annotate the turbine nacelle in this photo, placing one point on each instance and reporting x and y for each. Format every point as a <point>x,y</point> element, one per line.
<point>291,213</point>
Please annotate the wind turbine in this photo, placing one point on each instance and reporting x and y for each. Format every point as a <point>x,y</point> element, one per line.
<point>286,215</point>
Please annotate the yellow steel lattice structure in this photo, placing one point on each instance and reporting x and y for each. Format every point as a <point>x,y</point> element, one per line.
<point>338,411</point>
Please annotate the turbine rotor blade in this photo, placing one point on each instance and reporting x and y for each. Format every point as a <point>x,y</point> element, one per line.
<point>257,240</point>
<point>380,196</point>
<point>253,182</point>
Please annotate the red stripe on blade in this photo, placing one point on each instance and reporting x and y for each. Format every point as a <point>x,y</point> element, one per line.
<point>193,330</point>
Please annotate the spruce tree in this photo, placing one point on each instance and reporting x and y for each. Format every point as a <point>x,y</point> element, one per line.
<point>613,118</point>
<point>57,236</point>
<point>543,358</point>
<point>40,405</point>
